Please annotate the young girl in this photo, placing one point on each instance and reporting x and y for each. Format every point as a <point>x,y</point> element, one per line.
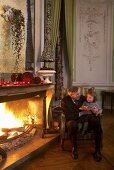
<point>89,108</point>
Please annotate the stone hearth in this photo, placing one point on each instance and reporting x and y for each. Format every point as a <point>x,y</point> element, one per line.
<point>35,147</point>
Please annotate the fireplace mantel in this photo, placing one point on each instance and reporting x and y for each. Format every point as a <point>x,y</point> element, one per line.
<point>8,93</point>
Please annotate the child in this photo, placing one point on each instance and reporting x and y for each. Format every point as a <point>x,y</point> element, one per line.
<point>89,108</point>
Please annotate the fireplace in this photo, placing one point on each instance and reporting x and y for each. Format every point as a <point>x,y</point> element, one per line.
<point>23,113</point>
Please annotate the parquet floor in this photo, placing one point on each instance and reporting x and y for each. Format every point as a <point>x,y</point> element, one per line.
<point>56,159</point>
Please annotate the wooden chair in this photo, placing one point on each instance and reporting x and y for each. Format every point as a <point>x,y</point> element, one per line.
<point>63,129</point>
<point>64,133</point>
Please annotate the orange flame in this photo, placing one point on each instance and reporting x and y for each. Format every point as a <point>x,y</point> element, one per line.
<point>49,94</point>
<point>7,119</point>
<point>15,114</point>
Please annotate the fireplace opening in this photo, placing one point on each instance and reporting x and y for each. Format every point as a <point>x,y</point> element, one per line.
<point>21,120</point>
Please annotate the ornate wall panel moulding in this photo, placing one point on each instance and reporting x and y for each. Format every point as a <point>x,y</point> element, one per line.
<point>93,20</point>
<point>92,36</point>
<point>97,1</point>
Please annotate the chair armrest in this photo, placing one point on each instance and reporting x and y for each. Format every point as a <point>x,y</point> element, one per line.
<point>63,125</point>
<point>100,112</point>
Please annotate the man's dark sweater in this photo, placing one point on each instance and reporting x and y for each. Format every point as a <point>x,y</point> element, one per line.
<point>71,108</point>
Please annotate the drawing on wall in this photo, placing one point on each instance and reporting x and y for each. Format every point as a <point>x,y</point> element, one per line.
<point>9,52</point>
<point>16,35</point>
<point>92,29</point>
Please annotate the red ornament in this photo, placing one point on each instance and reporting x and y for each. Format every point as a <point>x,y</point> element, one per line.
<point>28,82</point>
<point>27,77</point>
<point>20,82</point>
<point>14,83</point>
<point>23,82</point>
<point>4,83</point>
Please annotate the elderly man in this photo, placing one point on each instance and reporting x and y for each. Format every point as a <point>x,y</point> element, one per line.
<point>70,105</point>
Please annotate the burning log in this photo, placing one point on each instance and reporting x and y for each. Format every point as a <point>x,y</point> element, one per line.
<point>27,130</point>
<point>12,134</point>
<point>4,136</point>
<point>18,129</point>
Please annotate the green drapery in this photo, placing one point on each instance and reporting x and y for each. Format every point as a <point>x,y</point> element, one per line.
<point>113,49</point>
<point>55,19</point>
<point>69,17</point>
<point>29,43</point>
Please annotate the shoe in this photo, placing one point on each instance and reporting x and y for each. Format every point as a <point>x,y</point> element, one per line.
<point>74,153</point>
<point>97,156</point>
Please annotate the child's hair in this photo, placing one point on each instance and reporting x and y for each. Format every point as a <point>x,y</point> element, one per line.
<point>92,92</point>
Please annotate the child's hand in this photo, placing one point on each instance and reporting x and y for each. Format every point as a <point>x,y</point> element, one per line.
<point>99,113</point>
<point>84,108</point>
<point>94,109</point>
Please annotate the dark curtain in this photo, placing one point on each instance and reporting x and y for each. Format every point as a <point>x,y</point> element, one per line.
<point>29,42</point>
<point>59,57</point>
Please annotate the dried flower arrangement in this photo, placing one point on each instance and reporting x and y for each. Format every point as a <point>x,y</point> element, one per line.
<point>16,19</point>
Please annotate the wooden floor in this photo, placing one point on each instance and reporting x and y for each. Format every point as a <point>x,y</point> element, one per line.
<point>56,159</point>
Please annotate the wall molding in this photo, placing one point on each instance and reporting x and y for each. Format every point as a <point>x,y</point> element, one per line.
<point>93,39</point>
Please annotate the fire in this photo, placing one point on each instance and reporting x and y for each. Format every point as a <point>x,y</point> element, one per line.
<point>19,113</point>
<point>7,118</point>
<point>49,94</point>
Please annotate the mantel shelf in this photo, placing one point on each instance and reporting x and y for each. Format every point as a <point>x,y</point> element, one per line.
<point>8,93</point>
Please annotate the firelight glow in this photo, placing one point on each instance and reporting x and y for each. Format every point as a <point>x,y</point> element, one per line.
<point>49,94</point>
<point>7,119</point>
